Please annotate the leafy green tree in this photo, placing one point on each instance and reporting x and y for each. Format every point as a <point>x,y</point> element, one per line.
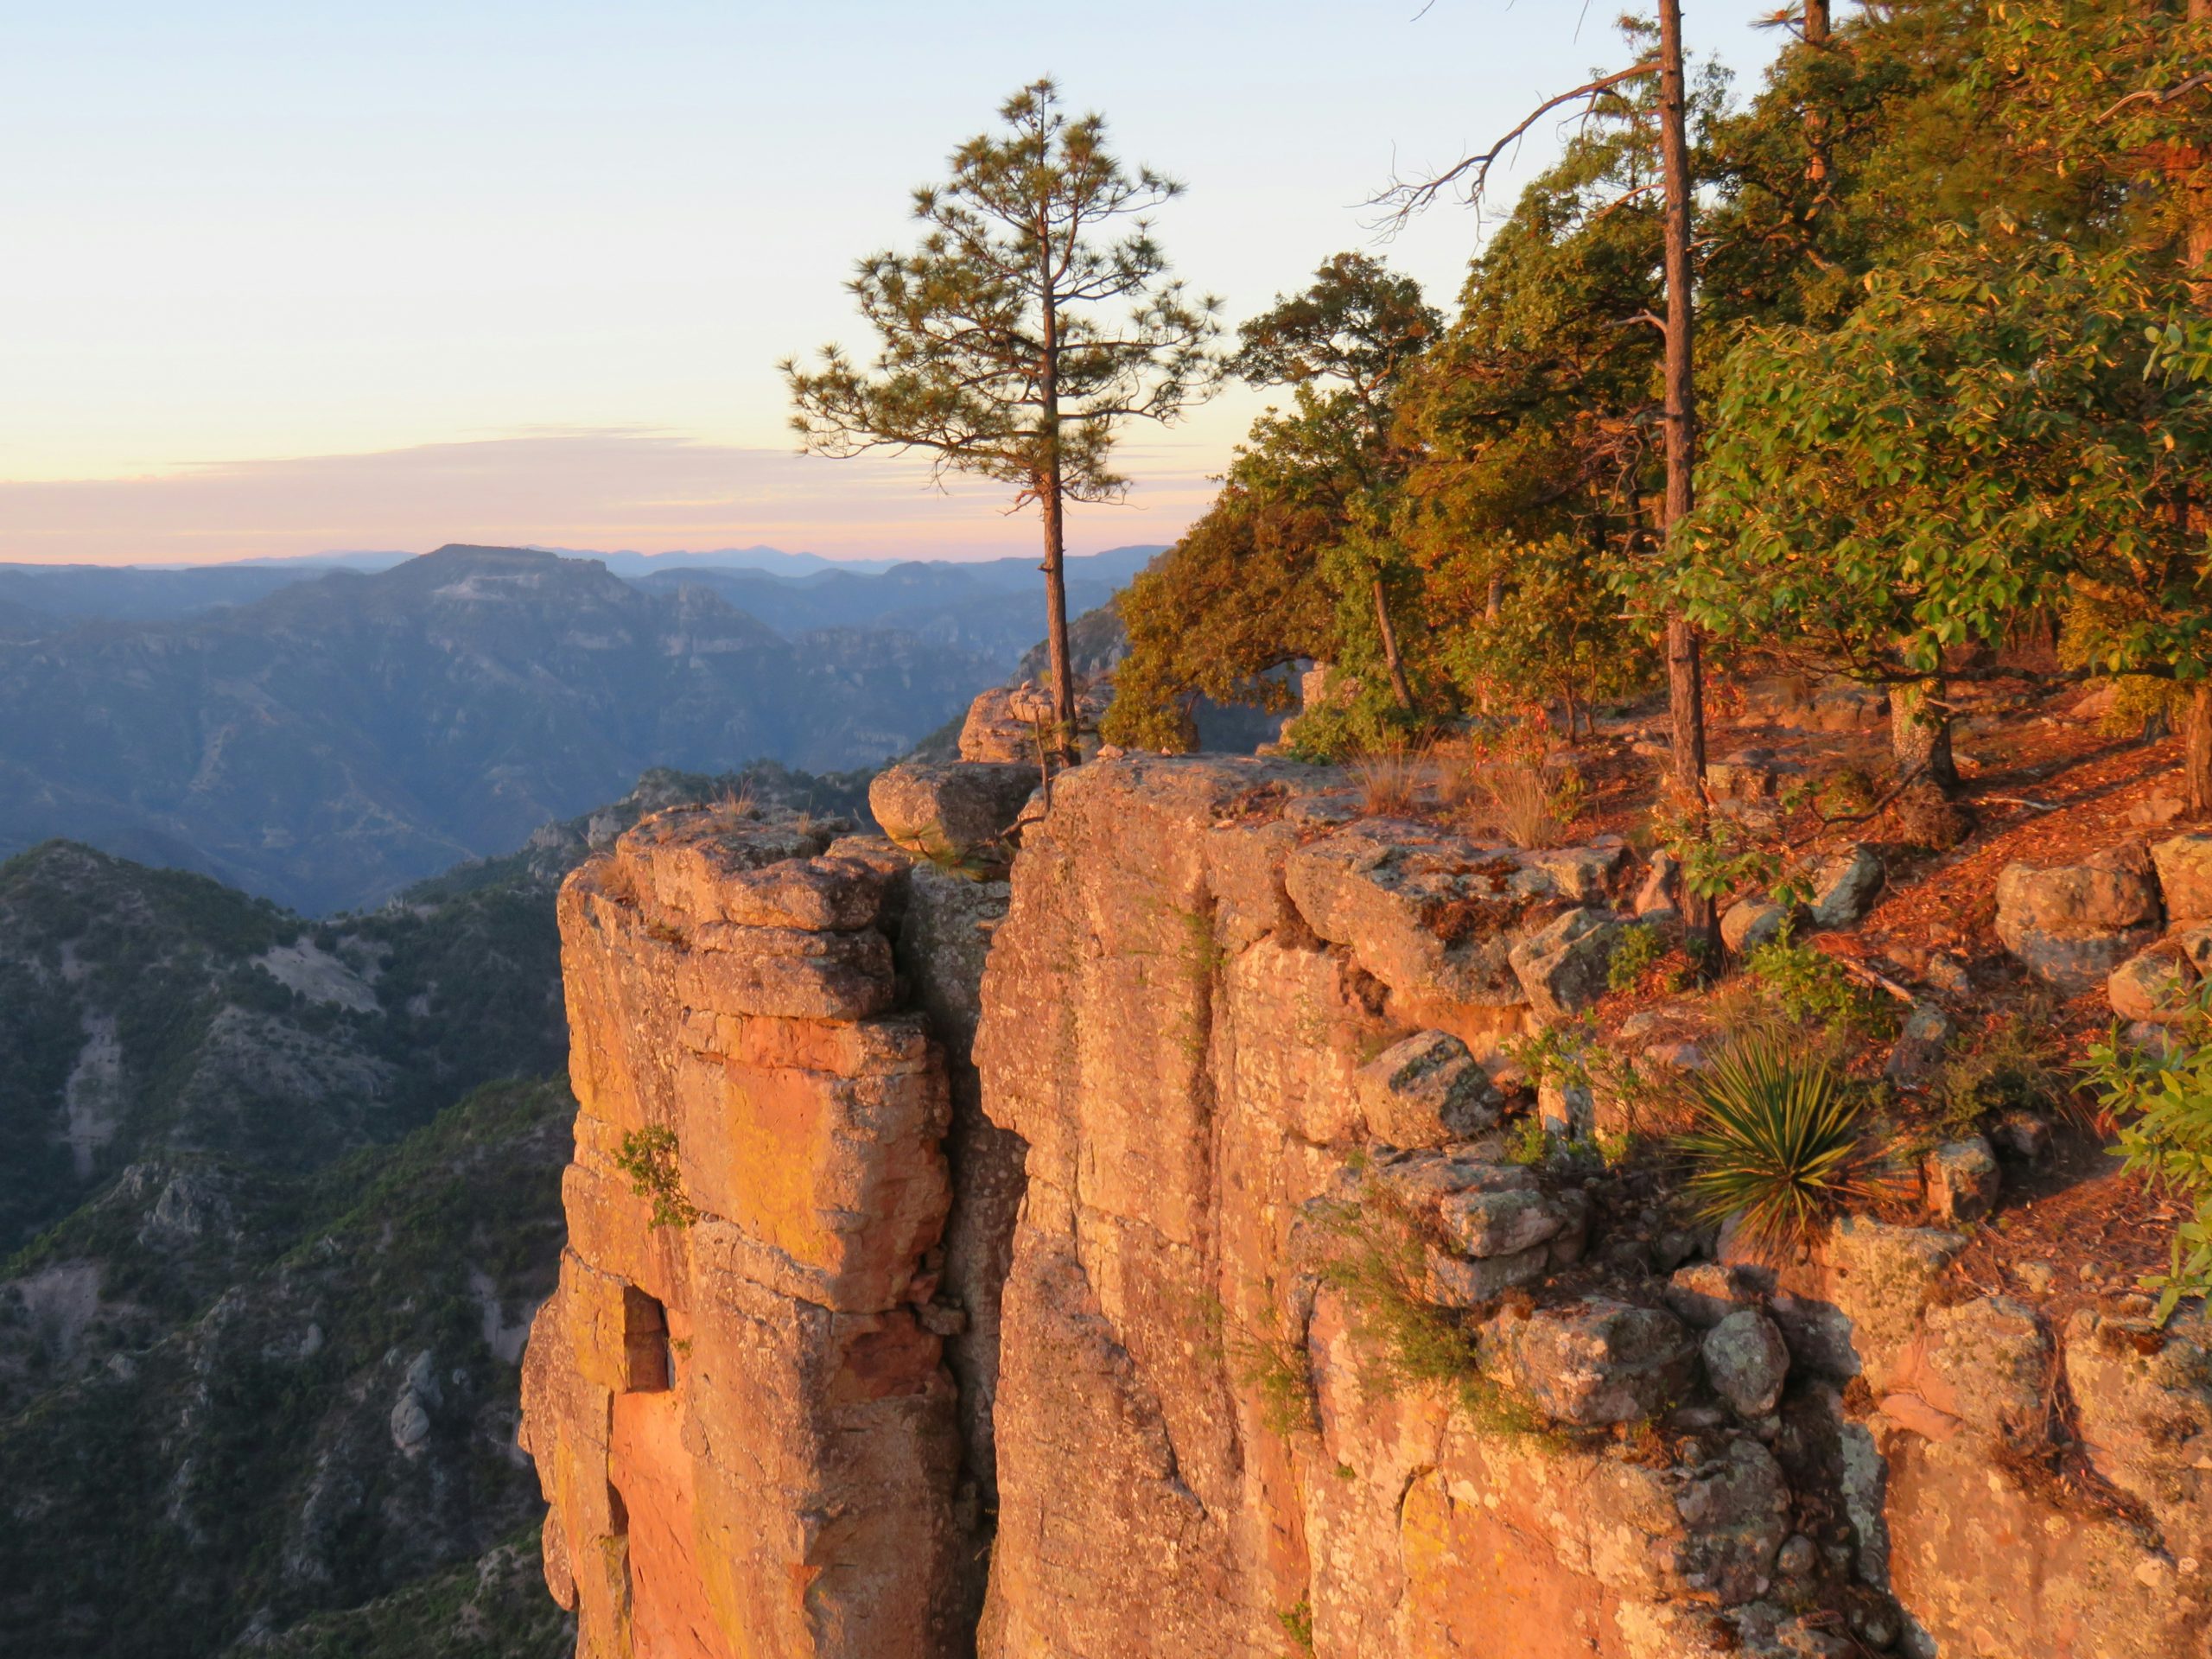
<point>1259,582</point>
<point>2011,413</point>
<point>1033,321</point>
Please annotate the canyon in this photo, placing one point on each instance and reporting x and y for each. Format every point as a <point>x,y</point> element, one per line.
<point>1045,1255</point>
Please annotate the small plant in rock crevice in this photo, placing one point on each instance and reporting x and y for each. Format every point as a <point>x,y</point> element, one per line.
<point>2010,1068</point>
<point>1641,948</point>
<point>1775,1139</point>
<point>1297,1622</point>
<point>648,1157</point>
<point>1378,1261</point>
<point>1390,779</point>
<point>1267,1358</point>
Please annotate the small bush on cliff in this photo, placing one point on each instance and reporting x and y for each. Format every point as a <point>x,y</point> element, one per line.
<point>1777,1139</point>
<point>647,1156</point>
<point>1642,947</point>
<point>1268,1359</point>
<point>2162,1102</point>
<point>1378,1262</point>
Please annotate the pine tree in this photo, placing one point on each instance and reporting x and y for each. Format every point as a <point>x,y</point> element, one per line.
<point>1033,319</point>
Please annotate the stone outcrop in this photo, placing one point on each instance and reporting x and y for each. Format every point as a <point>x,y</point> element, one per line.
<point>739,1406</point>
<point>2071,925</point>
<point>1140,1232</point>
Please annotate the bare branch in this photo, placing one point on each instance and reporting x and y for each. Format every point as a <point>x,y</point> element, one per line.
<point>2158,99</point>
<point>1471,173</point>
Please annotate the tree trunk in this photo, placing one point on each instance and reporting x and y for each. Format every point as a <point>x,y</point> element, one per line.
<point>1817,165</point>
<point>1052,501</point>
<point>1390,658</point>
<point>2197,726</point>
<point>2196,749</point>
<point>1920,734</point>
<point>1685,670</point>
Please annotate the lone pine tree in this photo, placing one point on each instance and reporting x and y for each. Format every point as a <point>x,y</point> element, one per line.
<point>1035,317</point>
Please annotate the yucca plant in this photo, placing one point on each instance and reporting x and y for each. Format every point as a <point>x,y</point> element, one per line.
<point>1775,1139</point>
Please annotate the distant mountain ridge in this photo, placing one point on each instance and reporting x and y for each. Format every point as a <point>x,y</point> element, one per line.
<point>339,738</point>
<point>992,605</point>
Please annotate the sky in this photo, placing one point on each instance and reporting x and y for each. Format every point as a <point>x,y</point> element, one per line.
<point>288,278</point>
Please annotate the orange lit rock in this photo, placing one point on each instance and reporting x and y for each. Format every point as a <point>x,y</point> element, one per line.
<point>743,1426</point>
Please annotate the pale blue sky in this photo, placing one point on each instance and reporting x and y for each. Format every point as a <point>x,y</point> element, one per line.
<point>281,277</point>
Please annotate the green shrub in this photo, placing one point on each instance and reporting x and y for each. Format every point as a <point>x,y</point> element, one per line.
<point>2011,1068</point>
<point>1776,1139</point>
<point>1809,987</point>
<point>2164,1105</point>
<point>648,1157</point>
<point>1639,951</point>
<point>1378,1262</point>
<point>1297,1623</point>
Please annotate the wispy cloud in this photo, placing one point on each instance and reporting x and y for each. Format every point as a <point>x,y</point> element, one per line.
<point>652,491</point>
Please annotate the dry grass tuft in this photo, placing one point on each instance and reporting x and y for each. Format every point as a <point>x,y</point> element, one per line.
<point>1389,780</point>
<point>1527,803</point>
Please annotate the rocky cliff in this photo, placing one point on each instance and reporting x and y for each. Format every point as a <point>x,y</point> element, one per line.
<point>1290,1348</point>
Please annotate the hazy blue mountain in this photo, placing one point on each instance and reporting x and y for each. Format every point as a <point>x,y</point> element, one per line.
<point>331,742</point>
<point>58,596</point>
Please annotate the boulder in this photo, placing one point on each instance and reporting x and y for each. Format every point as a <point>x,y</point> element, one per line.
<point>1746,1361</point>
<point>2150,985</point>
<point>2184,867</point>
<point>1961,1180</point>
<point>1425,1091</point>
<point>1463,1282</point>
<point>1595,1362</point>
<point>1844,887</point>
<point>2071,925</point>
<point>1002,723</point>
<point>1706,1293</point>
<point>2022,1135</point>
<point>1562,969</point>
<point>1992,1357</point>
<point>1431,914</point>
<point>1568,1111</point>
<point>1479,1209</point>
<point>1750,923</point>
<point>949,811</point>
<point>1919,1050</point>
<point>1582,874</point>
<point>1658,897</point>
<point>1880,1277</point>
<point>2142,1398</point>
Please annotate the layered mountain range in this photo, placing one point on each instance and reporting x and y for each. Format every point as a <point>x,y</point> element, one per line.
<point>328,742</point>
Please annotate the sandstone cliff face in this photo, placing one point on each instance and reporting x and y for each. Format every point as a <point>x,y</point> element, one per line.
<point>745,1424</point>
<point>1199,962</point>
<point>1076,1311</point>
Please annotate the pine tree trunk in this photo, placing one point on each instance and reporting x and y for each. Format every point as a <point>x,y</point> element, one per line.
<point>2196,727</point>
<point>1052,499</point>
<point>1919,736</point>
<point>1056,622</point>
<point>2197,750</point>
<point>1816,166</point>
<point>1390,659</point>
<point>1685,670</point>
